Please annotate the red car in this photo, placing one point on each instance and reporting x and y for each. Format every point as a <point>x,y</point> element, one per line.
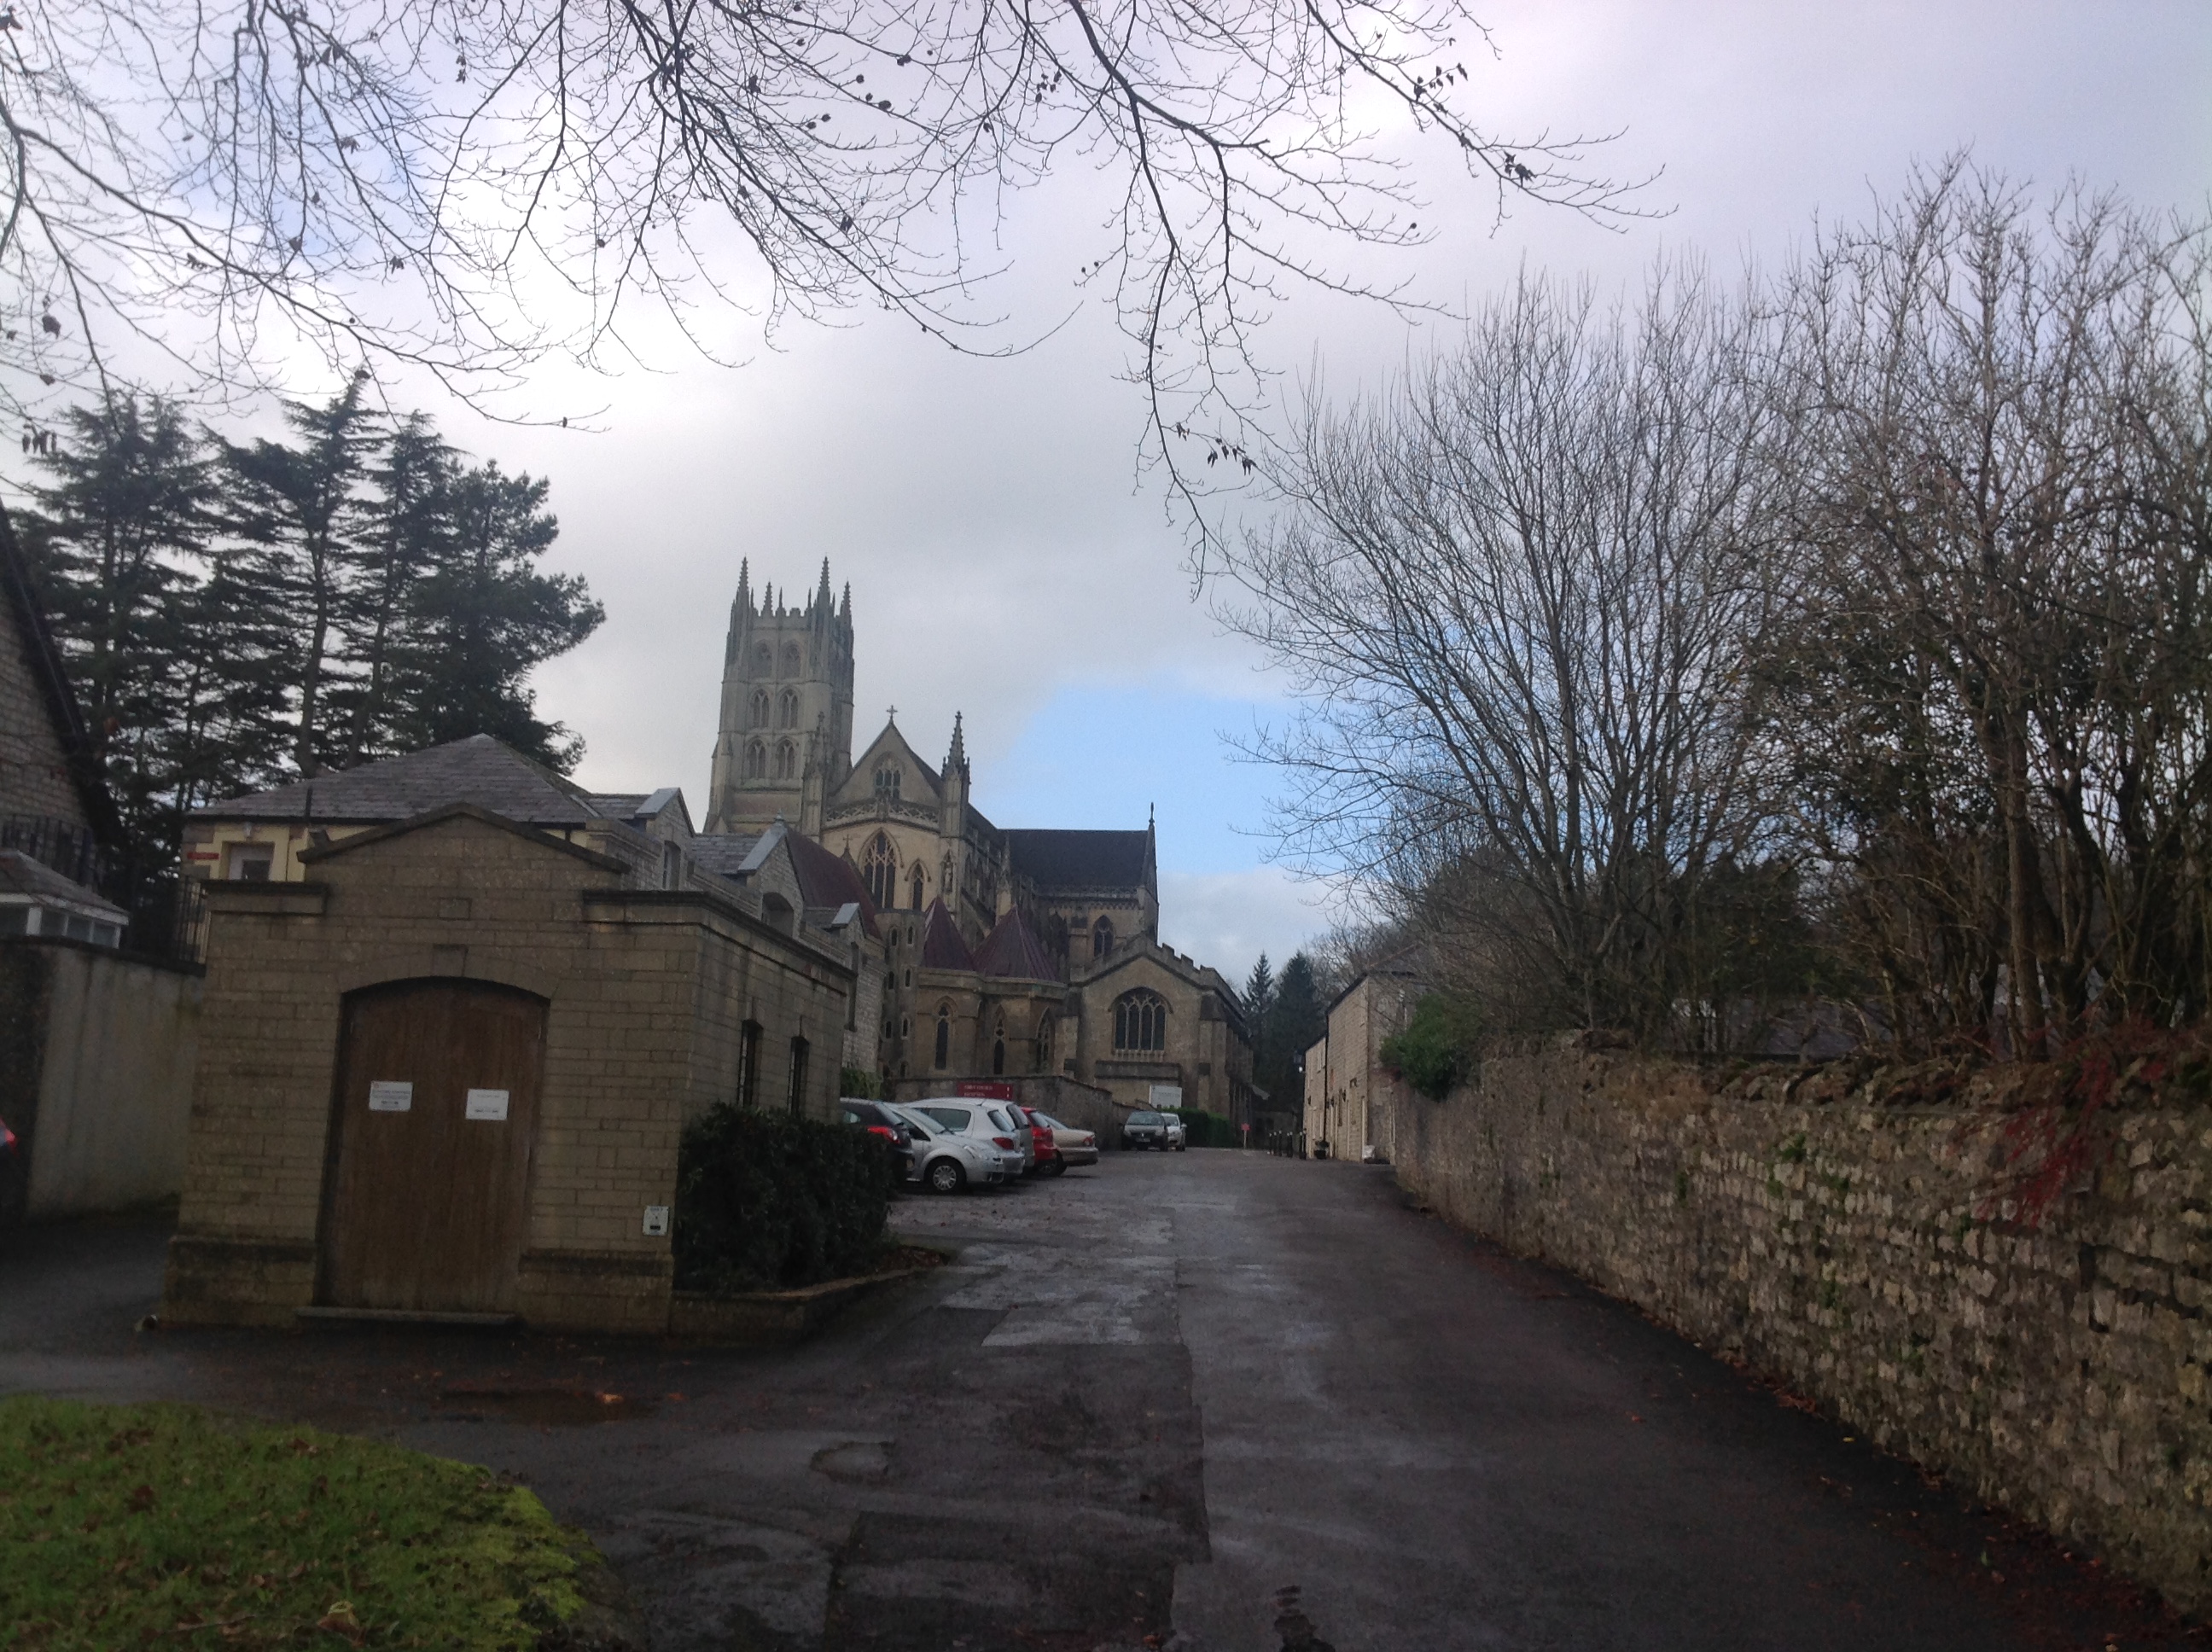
<point>1049,1161</point>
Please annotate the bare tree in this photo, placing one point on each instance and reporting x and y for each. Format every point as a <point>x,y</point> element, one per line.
<point>1996,679</point>
<point>1515,592</point>
<point>461,184</point>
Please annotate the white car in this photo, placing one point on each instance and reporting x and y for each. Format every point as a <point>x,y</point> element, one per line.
<point>949,1160</point>
<point>984,1121</point>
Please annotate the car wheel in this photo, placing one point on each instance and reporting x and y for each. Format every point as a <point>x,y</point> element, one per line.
<point>1179,1147</point>
<point>1059,1166</point>
<point>946,1176</point>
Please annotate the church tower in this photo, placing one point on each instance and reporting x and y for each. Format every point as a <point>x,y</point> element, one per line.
<point>787,729</point>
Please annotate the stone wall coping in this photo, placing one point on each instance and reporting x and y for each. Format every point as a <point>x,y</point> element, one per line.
<point>459,811</point>
<point>686,905</point>
<point>286,900</point>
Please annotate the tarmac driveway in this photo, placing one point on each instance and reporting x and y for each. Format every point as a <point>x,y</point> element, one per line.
<point>1145,1400</point>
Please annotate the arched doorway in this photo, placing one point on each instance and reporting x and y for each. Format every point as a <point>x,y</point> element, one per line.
<point>434,1116</point>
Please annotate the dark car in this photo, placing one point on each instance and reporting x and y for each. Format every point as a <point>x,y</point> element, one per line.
<point>877,1120</point>
<point>1146,1128</point>
<point>1049,1161</point>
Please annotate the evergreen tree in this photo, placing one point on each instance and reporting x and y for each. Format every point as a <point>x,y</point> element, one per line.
<point>1296,1018</point>
<point>298,508</point>
<point>1259,1003</point>
<point>405,526</point>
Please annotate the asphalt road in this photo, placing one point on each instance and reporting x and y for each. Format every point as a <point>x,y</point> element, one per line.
<point>1145,1401</point>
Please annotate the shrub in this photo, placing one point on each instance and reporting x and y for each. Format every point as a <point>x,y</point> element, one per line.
<point>767,1202</point>
<point>1433,1051</point>
<point>863,1083</point>
<point>1204,1129</point>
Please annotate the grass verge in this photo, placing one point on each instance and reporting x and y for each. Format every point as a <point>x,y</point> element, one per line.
<point>123,1526</point>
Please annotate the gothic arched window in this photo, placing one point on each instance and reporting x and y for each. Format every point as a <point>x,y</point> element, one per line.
<point>1101,937</point>
<point>1140,1021</point>
<point>913,888</point>
<point>1044,1044</point>
<point>887,781</point>
<point>880,868</point>
<point>791,660</point>
<point>756,760</point>
<point>763,660</point>
<point>944,1034</point>
<point>760,707</point>
<point>787,761</point>
<point>790,709</point>
<point>999,1048</point>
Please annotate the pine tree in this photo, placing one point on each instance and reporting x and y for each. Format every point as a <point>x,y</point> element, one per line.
<point>1259,1004</point>
<point>1298,1018</point>
<point>405,526</point>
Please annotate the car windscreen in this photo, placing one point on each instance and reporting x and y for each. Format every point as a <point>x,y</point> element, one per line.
<point>1146,1118</point>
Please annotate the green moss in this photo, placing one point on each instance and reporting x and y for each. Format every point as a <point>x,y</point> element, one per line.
<point>1793,1150</point>
<point>1682,1186</point>
<point>164,1524</point>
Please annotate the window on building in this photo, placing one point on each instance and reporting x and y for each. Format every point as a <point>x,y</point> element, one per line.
<point>880,867</point>
<point>748,1045</point>
<point>1045,1030</point>
<point>944,1034</point>
<point>764,661</point>
<point>797,1101</point>
<point>760,707</point>
<point>887,781</point>
<point>914,892</point>
<point>999,1048</point>
<point>755,762</point>
<point>791,660</point>
<point>787,761</point>
<point>789,710</point>
<point>1101,937</point>
<point>1140,1021</point>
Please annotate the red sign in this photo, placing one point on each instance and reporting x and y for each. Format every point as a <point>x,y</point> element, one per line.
<point>988,1089</point>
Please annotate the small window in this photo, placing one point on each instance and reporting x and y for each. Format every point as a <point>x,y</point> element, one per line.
<point>789,714</point>
<point>749,1043</point>
<point>250,863</point>
<point>944,1034</point>
<point>887,781</point>
<point>914,892</point>
<point>880,869</point>
<point>791,660</point>
<point>764,662</point>
<point>1102,938</point>
<point>954,1119</point>
<point>757,760</point>
<point>14,919</point>
<point>797,1102</point>
<point>787,761</point>
<point>997,1056</point>
<point>760,707</point>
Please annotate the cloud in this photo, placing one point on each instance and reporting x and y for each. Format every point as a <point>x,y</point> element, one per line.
<point>1227,919</point>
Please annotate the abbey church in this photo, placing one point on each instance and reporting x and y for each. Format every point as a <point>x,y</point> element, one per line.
<point>1001,950</point>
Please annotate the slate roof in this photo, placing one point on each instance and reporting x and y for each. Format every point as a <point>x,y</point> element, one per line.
<point>724,852</point>
<point>22,876</point>
<point>1011,952</point>
<point>1054,860</point>
<point>829,881</point>
<point>943,947</point>
<point>479,770</point>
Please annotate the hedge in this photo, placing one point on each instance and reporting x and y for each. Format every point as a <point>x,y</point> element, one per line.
<point>1204,1129</point>
<point>767,1202</point>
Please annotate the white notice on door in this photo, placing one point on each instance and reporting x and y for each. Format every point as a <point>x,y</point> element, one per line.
<point>487,1104</point>
<point>391,1096</point>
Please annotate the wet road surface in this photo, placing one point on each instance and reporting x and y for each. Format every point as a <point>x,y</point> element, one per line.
<point>1143,1401</point>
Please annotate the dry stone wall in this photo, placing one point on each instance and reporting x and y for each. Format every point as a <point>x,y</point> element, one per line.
<point>1846,1229</point>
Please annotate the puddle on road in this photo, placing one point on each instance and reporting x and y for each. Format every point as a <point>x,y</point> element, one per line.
<point>548,1407</point>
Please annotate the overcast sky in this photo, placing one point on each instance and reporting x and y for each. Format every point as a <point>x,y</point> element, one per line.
<point>1008,560</point>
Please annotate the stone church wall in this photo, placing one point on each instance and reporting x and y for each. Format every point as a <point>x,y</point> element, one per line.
<point>1841,1234</point>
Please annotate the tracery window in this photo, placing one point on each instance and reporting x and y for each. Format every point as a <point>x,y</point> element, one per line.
<point>887,781</point>
<point>1140,1021</point>
<point>944,1034</point>
<point>787,761</point>
<point>760,707</point>
<point>914,892</point>
<point>999,1048</point>
<point>790,709</point>
<point>1101,937</point>
<point>879,866</point>
<point>1045,1030</point>
<point>762,660</point>
<point>756,760</point>
<point>791,660</point>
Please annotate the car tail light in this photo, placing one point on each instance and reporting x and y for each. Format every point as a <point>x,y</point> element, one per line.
<point>1003,1141</point>
<point>884,1131</point>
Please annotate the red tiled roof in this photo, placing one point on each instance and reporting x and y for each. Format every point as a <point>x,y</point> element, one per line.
<point>942,944</point>
<point>1012,952</point>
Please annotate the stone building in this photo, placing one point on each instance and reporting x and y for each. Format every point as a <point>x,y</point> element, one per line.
<point>1352,1100</point>
<point>457,1012</point>
<point>1006,950</point>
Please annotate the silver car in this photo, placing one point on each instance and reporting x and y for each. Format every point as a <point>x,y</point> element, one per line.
<point>949,1160</point>
<point>987,1122</point>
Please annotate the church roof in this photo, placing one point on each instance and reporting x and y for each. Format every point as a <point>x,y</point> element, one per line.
<point>943,946</point>
<point>829,881</point>
<point>1054,860</point>
<point>479,770</point>
<point>1013,952</point>
<point>723,853</point>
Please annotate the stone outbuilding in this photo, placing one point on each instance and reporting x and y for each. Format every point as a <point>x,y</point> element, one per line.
<point>446,1054</point>
<point>1352,1098</point>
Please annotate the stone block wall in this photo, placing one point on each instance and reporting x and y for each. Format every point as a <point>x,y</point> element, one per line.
<point>1846,1228</point>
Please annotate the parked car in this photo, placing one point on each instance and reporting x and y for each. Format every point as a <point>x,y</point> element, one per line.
<point>950,1159</point>
<point>1144,1128</point>
<point>986,1121</point>
<point>1175,1133</point>
<point>1071,1146</point>
<point>1048,1162</point>
<point>878,1121</point>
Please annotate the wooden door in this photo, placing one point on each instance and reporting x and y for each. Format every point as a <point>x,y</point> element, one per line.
<point>436,1105</point>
